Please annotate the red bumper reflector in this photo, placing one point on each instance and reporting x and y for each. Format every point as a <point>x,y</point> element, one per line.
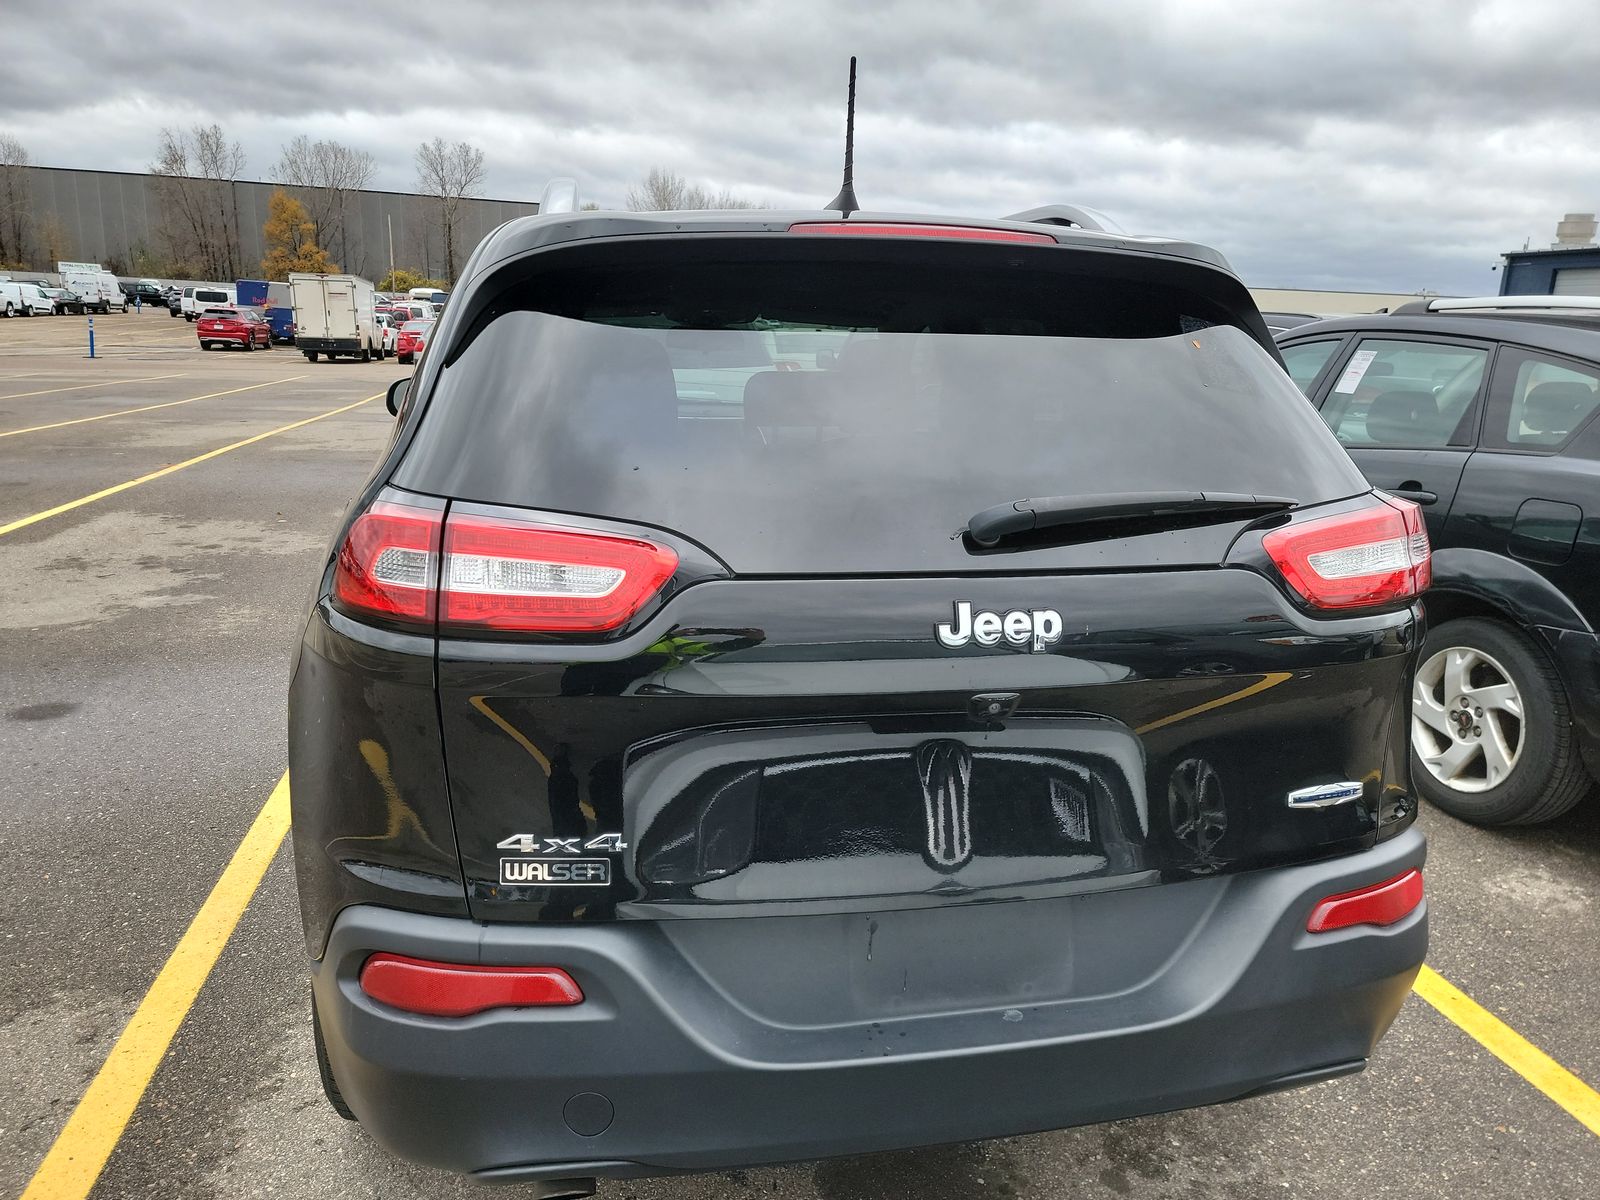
<point>1381,904</point>
<point>438,989</point>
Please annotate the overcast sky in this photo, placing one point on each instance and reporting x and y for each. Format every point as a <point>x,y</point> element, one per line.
<point>1385,146</point>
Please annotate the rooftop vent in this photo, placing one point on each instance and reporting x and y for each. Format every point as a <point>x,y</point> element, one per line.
<point>1575,229</point>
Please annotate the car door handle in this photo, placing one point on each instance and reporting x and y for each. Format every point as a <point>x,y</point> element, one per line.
<point>1415,495</point>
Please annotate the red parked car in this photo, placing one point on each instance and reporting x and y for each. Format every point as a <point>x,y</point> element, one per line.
<point>413,340</point>
<point>226,327</point>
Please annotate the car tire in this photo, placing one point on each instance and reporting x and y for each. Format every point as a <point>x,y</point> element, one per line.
<point>405,360</point>
<point>1543,774</point>
<point>10,312</point>
<point>249,344</point>
<point>330,1086</point>
<point>366,354</point>
<point>311,356</point>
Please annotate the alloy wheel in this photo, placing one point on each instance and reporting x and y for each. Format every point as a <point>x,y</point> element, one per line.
<point>1466,719</point>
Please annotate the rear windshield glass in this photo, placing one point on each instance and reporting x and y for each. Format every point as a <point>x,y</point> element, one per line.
<point>212,297</point>
<point>793,421</point>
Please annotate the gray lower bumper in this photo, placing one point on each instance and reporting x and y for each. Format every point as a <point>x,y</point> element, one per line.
<point>661,1069</point>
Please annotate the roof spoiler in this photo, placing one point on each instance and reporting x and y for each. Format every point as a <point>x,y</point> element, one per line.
<point>1072,215</point>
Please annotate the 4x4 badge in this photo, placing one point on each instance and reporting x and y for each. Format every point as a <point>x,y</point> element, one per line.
<point>1034,628</point>
<point>527,843</point>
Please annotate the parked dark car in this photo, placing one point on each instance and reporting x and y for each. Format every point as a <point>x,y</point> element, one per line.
<point>1482,411</point>
<point>144,293</point>
<point>66,300</point>
<point>245,327</point>
<point>796,687</point>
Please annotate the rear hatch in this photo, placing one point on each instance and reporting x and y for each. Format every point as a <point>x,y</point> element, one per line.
<point>716,635</point>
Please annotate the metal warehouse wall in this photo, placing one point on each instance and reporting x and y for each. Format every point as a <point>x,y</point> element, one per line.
<point>112,214</point>
<point>1533,272</point>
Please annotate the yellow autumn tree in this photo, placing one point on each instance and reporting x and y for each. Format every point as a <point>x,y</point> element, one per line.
<point>291,239</point>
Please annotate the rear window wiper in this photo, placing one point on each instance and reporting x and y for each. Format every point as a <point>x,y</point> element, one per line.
<point>1141,511</point>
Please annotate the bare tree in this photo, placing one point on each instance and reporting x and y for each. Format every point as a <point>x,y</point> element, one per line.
<point>324,176</point>
<point>14,206</point>
<point>196,168</point>
<point>450,173</point>
<point>662,190</point>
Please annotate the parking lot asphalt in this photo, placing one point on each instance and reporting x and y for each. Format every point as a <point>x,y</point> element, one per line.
<point>145,637</point>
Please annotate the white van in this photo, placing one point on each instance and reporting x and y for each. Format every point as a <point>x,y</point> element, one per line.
<point>34,301</point>
<point>207,295</point>
<point>98,287</point>
<point>11,298</point>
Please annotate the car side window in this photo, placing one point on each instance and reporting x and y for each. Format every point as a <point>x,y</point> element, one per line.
<point>1540,401</point>
<point>1410,394</point>
<point>1305,361</point>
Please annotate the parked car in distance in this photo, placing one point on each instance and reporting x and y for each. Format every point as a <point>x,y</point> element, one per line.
<point>175,300</point>
<point>390,332</point>
<point>11,303</point>
<point>203,296</point>
<point>1482,411</point>
<point>1277,322</point>
<point>233,326</point>
<point>781,782</point>
<point>65,300</point>
<point>34,301</point>
<point>412,340</point>
<point>144,291</point>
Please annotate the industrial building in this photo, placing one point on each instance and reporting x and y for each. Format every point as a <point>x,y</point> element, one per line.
<point>121,219</point>
<point>1568,267</point>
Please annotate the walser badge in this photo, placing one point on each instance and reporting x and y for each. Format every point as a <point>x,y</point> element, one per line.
<point>559,861</point>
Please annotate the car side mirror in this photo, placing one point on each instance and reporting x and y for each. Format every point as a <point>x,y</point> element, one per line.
<point>396,394</point>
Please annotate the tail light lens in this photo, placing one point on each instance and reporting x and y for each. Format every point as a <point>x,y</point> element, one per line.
<point>1375,555</point>
<point>1381,904</point>
<point>437,989</point>
<point>506,574</point>
<point>388,565</point>
<point>474,572</point>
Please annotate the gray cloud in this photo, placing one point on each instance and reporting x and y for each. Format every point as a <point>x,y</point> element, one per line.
<point>1358,145</point>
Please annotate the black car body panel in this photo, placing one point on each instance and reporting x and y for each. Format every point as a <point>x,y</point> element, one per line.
<point>1515,529</point>
<point>800,820</point>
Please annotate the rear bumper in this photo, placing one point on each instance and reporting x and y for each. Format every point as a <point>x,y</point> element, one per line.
<point>241,338</point>
<point>329,345</point>
<point>684,1077</point>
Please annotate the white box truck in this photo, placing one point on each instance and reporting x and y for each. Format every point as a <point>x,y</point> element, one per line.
<point>95,284</point>
<point>333,316</point>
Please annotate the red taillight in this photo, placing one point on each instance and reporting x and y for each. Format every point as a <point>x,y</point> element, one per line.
<point>964,232</point>
<point>1381,904</point>
<point>388,564</point>
<point>438,989</point>
<point>1378,554</point>
<point>506,574</point>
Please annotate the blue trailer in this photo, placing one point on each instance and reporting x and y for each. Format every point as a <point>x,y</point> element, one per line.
<point>272,299</point>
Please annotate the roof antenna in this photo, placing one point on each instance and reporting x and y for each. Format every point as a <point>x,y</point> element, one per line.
<point>846,201</point>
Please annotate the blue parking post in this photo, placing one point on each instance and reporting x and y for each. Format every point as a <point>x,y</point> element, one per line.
<point>91,337</point>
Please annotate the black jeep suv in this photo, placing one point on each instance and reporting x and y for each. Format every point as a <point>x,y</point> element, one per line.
<point>797,686</point>
<point>1483,412</point>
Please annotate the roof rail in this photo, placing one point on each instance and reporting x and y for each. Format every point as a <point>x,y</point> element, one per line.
<point>1069,214</point>
<point>1460,303</point>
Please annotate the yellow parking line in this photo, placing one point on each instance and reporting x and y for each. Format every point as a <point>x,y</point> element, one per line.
<point>80,1151</point>
<point>1560,1085</point>
<point>24,522</point>
<point>146,408</point>
<point>103,383</point>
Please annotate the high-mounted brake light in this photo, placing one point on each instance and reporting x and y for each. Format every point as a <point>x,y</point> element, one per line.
<point>506,574</point>
<point>1380,904</point>
<point>437,989</point>
<point>1374,555</point>
<point>971,233</point>
<point>388,564</point>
